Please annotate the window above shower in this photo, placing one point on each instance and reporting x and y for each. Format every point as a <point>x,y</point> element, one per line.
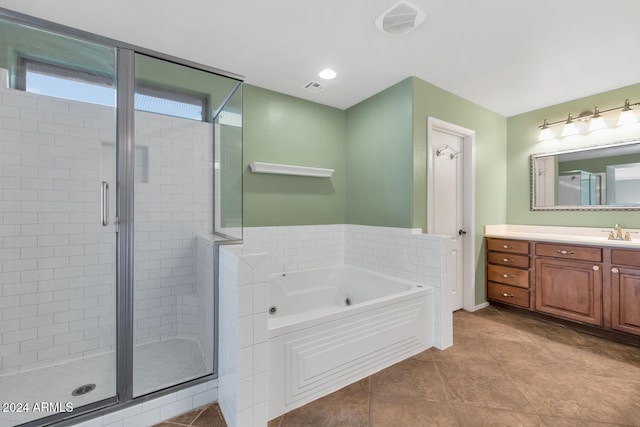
<point>79,85</point>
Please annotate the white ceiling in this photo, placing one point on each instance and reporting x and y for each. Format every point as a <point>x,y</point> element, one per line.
<point>510,56</point>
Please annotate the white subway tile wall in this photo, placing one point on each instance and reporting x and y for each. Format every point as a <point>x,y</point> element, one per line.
<point>398,252</point>
<point>203,310</point>
<point>243,337</point>
<point>173,204</point>
<point>298,247</point>
<point>57,263</point>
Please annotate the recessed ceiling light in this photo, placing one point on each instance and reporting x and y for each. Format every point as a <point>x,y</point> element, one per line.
<point>327,74</point>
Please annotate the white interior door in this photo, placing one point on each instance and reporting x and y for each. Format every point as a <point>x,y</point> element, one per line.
<point>448,202</point>
<point>545,181</point>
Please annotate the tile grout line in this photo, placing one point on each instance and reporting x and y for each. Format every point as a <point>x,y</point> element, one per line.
<point>204,408</point>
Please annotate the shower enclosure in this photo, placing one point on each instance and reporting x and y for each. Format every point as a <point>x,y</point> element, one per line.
<point>118,168</point>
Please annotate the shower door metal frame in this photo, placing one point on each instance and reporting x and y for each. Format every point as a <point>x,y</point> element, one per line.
<point>125,153</point>
<point>123,223</point>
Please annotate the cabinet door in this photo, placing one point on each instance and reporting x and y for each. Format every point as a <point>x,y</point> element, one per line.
<point>569,289</point>
<point>625,296</point>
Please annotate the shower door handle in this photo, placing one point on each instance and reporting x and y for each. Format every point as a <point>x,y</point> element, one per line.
<point>104,203</point>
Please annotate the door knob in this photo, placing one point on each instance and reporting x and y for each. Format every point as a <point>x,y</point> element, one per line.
<point>461,232</point>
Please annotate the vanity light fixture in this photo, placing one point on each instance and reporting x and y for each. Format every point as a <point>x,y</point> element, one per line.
<point>545,132</point>
<point>595,120</point>
<point>627,116</point>
<point>569,128</point>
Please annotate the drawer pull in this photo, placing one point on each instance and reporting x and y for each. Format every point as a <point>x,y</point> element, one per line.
<point>507,260</point>
<point>596,268</point>
<point>504,294</point>
<point>507,247</point>
<point>508,276</point>
<point>615,270</point>
<point>563,252</point>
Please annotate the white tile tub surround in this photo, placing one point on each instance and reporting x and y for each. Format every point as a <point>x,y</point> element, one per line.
<point>399,252</point>
<point>243,336</point>
<point>411,255</point>
<point>298,247</point>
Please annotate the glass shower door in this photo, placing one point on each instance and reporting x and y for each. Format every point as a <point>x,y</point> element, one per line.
<point>173,335</point>
<point>57,241</point>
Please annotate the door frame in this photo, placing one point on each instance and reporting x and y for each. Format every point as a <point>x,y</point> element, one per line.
<point>469,199</point>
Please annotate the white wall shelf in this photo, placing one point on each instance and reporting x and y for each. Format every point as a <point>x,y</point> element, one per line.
<point>260,167</point>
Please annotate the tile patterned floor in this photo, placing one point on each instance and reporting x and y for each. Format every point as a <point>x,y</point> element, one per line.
<point>505,369</point>
<point>206,416</point>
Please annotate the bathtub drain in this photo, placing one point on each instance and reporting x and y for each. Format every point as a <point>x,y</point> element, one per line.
<point>272,309</point>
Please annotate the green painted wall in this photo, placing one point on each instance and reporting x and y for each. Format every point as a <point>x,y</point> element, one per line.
<point>387,159</point>
<point>523,133</point>
<point>379,158</point>
<point>279,128</point>
<point>490,153</point>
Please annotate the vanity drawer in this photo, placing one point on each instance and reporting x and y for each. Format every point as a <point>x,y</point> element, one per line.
<point>556,250</point>
<point>510,246</point>
<point>625,257</point>
<point>509,276</point>
<point>508,294</point>
<point>521,261</point>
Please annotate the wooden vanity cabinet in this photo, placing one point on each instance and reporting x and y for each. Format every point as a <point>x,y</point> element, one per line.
<point>507,272</point>
<point>569,282</point>
<point>593,285</point>
<point>625,290</point>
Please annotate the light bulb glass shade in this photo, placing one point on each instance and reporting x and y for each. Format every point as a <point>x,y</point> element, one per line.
<point>596,123</point>
<point>627,117</point>
<point>569,129</point>
<point>545,134</point>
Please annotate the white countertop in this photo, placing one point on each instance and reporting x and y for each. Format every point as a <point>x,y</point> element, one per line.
<point>575,235</point>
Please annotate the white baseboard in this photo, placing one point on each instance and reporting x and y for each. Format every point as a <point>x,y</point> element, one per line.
<point>480,306</point>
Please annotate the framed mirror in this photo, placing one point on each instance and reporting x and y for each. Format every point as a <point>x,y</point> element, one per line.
<point>603,177</point>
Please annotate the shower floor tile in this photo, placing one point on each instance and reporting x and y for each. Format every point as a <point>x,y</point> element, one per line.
<point>156,366</point>
<point>165,363</point>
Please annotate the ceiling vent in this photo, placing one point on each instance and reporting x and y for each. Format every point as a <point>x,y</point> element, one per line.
<point>401,18</point>
<point>314,87</point>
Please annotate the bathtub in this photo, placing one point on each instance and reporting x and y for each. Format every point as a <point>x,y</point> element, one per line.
<point>332,326</point>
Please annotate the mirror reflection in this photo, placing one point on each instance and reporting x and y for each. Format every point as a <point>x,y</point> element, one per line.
<point>604,177</point>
